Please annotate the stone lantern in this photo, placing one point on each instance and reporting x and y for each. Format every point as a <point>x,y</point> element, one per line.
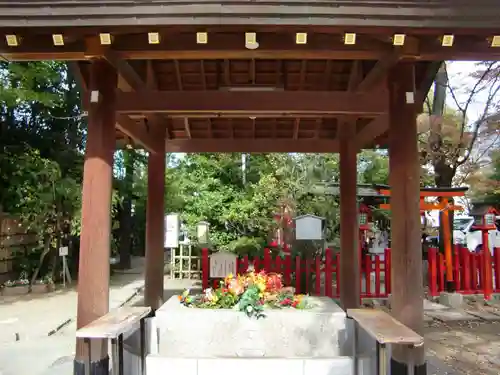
<point>484,218</point>
<point>202,231</point>
<point>364,217</point>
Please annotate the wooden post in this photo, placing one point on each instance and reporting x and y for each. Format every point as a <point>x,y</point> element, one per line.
<point>95,238</point>
<point>350,291</point>
<point>155,230</point>
<point>406,255</point>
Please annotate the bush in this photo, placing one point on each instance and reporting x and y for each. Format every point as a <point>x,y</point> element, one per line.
<point>251,246</point>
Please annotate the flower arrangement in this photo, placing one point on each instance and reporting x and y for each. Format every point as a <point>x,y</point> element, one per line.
<point>46,280</point>
<point>14,283</point>
<point>250,293</point>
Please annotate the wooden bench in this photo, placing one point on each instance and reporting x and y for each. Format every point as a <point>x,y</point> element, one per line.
<point>385,330</point>
<point>113,326</point>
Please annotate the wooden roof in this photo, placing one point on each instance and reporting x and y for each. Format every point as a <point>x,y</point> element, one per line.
<point>283,96</point>
<point>370,13</point>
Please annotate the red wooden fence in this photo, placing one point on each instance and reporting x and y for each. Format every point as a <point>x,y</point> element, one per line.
<point>321,275</point>
<point>468,272</point>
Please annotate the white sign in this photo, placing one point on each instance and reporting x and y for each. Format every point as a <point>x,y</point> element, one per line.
<point>221,264</point>
<point>172,227</point>
<point>309,227</point>
<point>63,251</point>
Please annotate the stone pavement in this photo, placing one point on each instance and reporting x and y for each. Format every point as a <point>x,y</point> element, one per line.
<point>41,354</point>
<point>29,317</point>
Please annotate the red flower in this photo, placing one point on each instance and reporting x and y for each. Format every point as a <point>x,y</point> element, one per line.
<point>274,282</point>
<point>286,302</point>
<point>295,303</point>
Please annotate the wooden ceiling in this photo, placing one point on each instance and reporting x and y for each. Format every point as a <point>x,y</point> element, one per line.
<point>255,105</point>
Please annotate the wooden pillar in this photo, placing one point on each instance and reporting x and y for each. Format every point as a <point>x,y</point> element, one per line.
<point>95,238</point>
<point>155,230</point>
<point>406,255</point>
<point>349,234</point>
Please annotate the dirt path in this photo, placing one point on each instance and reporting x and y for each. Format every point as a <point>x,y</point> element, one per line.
<point>467,347</point>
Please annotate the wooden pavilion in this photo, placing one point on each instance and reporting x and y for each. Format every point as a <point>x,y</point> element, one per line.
<point>252,76</point>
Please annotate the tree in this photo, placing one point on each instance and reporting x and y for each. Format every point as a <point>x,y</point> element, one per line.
<point>449,139</point>
<point>41,141</point>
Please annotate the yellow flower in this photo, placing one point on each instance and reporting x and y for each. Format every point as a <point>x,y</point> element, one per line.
<point>261,286</point>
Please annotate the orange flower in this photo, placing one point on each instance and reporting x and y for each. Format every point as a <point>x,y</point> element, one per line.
<point>235,287</point>
<point>273,282</point>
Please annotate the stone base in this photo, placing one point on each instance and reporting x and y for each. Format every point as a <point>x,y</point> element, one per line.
<point>453,300</point>
<point>15,290</point>
<point>100,367</point>
<point>398,368</point>
<point>283,333</point>
<point>42,288</point>
<point>158,365</point>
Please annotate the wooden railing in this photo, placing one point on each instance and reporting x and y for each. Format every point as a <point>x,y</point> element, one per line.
<point>386,331</point>
<point>113,326</point>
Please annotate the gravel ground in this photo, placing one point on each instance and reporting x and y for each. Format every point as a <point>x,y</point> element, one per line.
<point>464,348</point>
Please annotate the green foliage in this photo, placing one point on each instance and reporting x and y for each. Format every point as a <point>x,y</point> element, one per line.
<point>41,143</point>
<point>249,302</point>
<point>251,246</point>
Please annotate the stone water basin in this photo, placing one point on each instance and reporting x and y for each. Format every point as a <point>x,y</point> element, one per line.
<point>318,332</point>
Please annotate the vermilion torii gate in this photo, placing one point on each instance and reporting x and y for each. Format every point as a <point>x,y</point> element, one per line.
<point>239,76</point>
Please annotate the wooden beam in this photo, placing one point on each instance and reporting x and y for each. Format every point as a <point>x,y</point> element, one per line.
<point>427,80</point>
<point>376,76</point>
<point>355,76</point>
<point>125,70</point>
<point>253,145</point>
<point>154,273</point>
<point>227,45</point>
<point>187,127</point>
<point>150,139</point>
<point>429,206</point>
<point>80,70</point>
<point>321,102</point>
<point>349,234</point>
<point>93,274</point>
<point>151,80</point>
<point>372,130</point>
<point>404,164</point>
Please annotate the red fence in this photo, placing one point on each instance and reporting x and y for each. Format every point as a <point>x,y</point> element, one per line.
<point>469,271</point>
<point>321,275</point>
<point>316,276</point>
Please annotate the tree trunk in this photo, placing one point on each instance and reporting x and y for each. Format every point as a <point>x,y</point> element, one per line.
<point>443,172</point>
<point>46,250</point>
<point>126,214</point>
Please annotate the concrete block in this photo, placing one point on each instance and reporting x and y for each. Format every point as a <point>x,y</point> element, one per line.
<point>158,365</point>
<point>283,333</point>
<point>453,300</point>
<point>485,315</point>
<point>433,306</point>
<point>451,315</point>
<point>250,366</point>
<point>337,366</point>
